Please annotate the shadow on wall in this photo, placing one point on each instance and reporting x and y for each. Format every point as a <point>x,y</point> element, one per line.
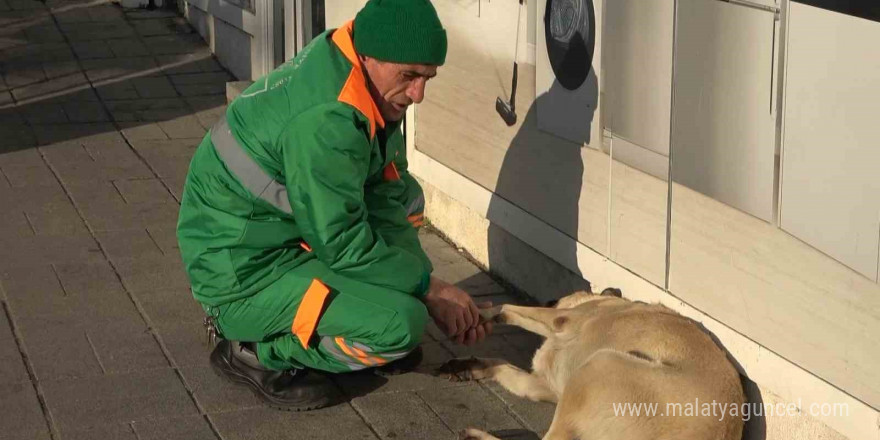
<point>543,175</point>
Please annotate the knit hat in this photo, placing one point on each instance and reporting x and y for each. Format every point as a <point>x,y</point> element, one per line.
<point>400,31</point>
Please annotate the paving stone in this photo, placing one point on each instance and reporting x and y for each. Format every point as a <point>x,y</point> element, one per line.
<point>60,68</point>
<point>165,238</point>
<point>470,406</point>
<point>26,169</point>
<point>154,87</point>
<point>401,415</point>
<point>128,47</point>
<point>94,160</point>
<point>12,368</point>
<point>40,113</point>
<point>97,30</point>
<point>537,416</point>
<point>111,90</point>
<point>177,43</point>
<point>434,355</point>
<point>92,49</point>
<point>150,273</point>
<point>24,4</point>
<point>47,33</point>
<point>136,396</point>
<point>170,306</point>
<point>176,64</point>
<point>5,98</point>
<point>106,12</point>
<point>72,15</point>
<point>87,291</point>
<point>180,428</point>
<point>186,341</point>
<point>201,83</point>
<point>22,416</point>
<point>20,76</point>
<point>81,132</point>
<point>100,70</point>
<point>481,284</point>
<point>143,14</point>
<point>21,18</point>
<point>183,127</point>
<point>147,110</point>
<point>85,112</point>
<point>33,197</point>
<point>41,52</point>
<point>16,136</point>
<point>67,347</point>
<point>161,26</point>
<point>143,191</point>
<point>494,346</point>
<point>456,272</point>
<point>128,244</point>
<point>59,219</point>
<point>367,383</point>
<point>13,222</point>
<point>176,186</point>
<point>126,216</point>
<point>115,431</point>
<point>44,249</point>
<point>337,422</point>
<point>136,131</point>
<point>215,394</point>
<point>208,108</point>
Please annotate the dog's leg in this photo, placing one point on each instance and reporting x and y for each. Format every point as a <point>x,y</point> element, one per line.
<point>540,320</point>
<point>513,379</point>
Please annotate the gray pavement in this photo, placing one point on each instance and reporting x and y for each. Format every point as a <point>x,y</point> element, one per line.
<point>100,111</point>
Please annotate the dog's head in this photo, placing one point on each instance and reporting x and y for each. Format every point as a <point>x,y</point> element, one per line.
<point>583,296</point>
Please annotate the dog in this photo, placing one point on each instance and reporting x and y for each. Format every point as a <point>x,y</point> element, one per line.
<point>603,352</point>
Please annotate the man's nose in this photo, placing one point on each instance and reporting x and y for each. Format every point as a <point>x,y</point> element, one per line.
<point>416,90</point>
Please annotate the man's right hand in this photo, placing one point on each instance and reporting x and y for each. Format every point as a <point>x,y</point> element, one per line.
<point>455,313</point>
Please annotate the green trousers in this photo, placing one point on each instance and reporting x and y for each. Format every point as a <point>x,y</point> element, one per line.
<point>334,324</point>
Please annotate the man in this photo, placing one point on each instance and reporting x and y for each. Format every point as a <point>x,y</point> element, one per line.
<point>298,223</point>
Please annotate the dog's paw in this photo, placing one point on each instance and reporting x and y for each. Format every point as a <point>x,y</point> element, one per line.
<point>462,370</point>
<point>471,434</point>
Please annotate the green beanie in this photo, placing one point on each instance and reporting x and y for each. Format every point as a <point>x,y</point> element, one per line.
<point>400,31</point>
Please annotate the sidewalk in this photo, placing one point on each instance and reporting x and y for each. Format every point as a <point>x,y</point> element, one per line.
<point>100,111</point>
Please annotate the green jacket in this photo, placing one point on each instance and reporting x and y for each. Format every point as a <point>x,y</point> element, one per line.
<point>302,167</point>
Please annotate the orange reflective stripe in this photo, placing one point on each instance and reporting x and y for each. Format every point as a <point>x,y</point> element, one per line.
<point>417,219</point>
<point>305,246</point>
<point>355,91</point>
<point>374,359</point>
<point>341,343</point>
<point>309,311</point>
<point>358,354</point>
<point>390,172</point>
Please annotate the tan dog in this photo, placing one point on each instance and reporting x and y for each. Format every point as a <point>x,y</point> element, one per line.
<point>603,352</point>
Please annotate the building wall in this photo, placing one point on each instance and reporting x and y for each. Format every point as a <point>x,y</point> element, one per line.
<point>801,318</point>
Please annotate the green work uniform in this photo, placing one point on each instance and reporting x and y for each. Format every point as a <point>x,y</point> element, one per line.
<point>299,222</point>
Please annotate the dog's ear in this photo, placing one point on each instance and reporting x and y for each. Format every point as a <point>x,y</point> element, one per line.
<point>612,291</point>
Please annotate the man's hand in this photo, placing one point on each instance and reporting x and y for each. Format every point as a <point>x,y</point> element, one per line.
<point>455,313</point>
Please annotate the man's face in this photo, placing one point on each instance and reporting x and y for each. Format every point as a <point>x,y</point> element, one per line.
<point>395,86</point>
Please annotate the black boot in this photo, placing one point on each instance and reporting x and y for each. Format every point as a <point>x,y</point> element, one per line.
<point>291,390</point>
<point>404,365</point>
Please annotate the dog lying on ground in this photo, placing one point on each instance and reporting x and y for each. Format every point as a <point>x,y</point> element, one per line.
<point>601,351</point>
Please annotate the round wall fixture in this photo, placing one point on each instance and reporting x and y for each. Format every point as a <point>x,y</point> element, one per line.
<point>570,33</point>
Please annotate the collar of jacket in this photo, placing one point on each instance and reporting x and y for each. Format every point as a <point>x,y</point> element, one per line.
<point>355,91</point>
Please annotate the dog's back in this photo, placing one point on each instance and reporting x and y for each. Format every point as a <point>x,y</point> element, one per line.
<point>638,371</point>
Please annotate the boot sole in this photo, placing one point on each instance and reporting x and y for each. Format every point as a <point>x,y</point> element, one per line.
<point>229,374</point>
